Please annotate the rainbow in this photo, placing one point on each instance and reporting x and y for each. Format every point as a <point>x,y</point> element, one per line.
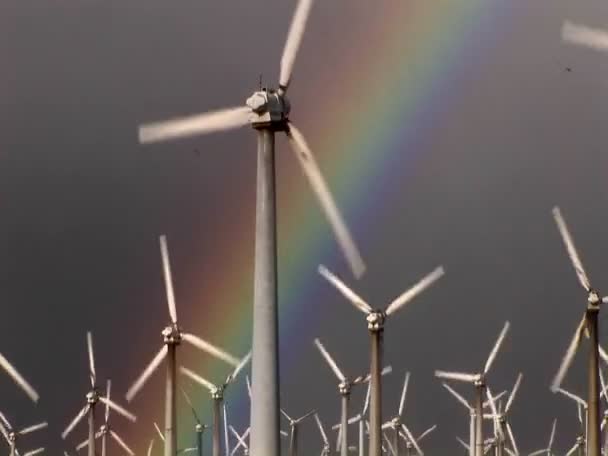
<point>406,61</point>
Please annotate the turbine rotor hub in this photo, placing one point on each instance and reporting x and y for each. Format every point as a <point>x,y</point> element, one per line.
<point>344,388</point>
<point>218,394</point>
<point>92,397</point>
<point>199,428</point>
<point>172,335</point>
<point>270,109</point>
<point>375,320</point>
<point>104,429</point>
<point>12,436</point>
<point>593,298</point>
<point>480,381</point>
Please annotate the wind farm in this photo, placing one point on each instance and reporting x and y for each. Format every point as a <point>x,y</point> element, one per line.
<point>448,178</point>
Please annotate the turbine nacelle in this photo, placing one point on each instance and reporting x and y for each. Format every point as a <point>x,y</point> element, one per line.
<point>200,428</point>
<point>218,393</point>
<point>593,298</point>
<point>172,335</point>
<point>375,320</point>
<point>104,429</point>
<point>92,396</point>
<point>480,381</point>
<point>269,108</point>
<point>344,388</point>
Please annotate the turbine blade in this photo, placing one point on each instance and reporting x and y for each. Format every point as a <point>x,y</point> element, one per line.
<point>82,444</point>
<point>349,294</point>
<point>458,376</point>
<point>248,387</point>
<point>292,44</point>
<point>241,442</point>
<point>160,434</point>
<point>496,347</point>
<point>494,413</point>
<point>18,379</point>
<point>121,442</point>
<point>572,450</point>
<point>198,124</point>
<point>75,421</point>
<point>332,364</point>
<point>572,396</point>
<point>284,434</point>
<point>414,291</point>
<point>211,349</point>
<point>366,403</point>
<point>513,392</point>
<point>108,391</point>
<point>290,419</point>
<point>226,441</point>
<point>306,415</point>
<point>585,36</point>
<point>512,438</point>
<point>603,353</point>
<point>572,253</point>
<point>117,408</point>
<point>198,379</point>
<point>319,186</point>
<point>143,378</point>
<point>4,432</point>
<point>33,428</point>
<point>5,421</point>
<point>496,397</point>
<point>242,363</point>
<point>552,435</point>
<point>458,397</point>
<point>536,453</point>
<point>150,446</point>
<point>354,419</point>
<point>403,393</point>
<point>411,439</point>
<point>466,447</point>
<point>427,432</point>
<point>164,252</point>
<point>569,356</point>
<point>189,402</point>
<point>92,373</point>
<point>390,445</point>
<point>321,430</point>
<point>34,452</point>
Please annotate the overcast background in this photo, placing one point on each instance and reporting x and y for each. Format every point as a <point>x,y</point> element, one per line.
<point>81,204</point>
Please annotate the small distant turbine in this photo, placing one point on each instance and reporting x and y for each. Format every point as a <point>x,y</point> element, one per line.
<point>217,395</point>
<point>549,450</point>
<point>344,388</point>
<point>396,423</point>
<point>240,441</point>
<point>583,35</point>
<point>199,428</point>
<point>472,419</point>
<point>479,380</point>
<point>409,445</point>
<point>501,419</point>
<point>375,324</point>
<point>587,324</point>
<point>93,397</point>
<point>172,337</point>
<point>293,426</point>
<point>106,430</point>
<point>326,447</point>
<point>12,437</point>
<point>359,418</point>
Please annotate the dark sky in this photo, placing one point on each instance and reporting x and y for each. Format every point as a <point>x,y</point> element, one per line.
<point>82,204</point>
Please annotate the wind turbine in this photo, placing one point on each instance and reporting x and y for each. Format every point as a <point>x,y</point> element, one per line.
<point>479,380</point>
<point>344,388</point>
<point>396,423</point>
<point>587,324</point>
<point>267,111</point>
<point>375,324</point>
<point>501,419</point>
<point>199,428</point>
<point>12,437</point>
<point>359,418</point>
<point>549,450</point>
<point>241,441</point>
<point>463,401</point>
<point>293,426</point>
<point>409,445</point>
<point>93,397</point>
<point>106,430</point>
<point>583,35</point>
<point>217,395</point>
<point>172,337</point>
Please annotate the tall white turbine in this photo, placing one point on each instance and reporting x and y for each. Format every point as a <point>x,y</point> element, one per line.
<point>199,427</point>
<point>375,319</point>
<point>409,445</point>
<point>13,436</point>
<point>217,392</point>
<point>396,422</point>
<point>587,324</point>
<point>267,111</point>
<point>479,380</point>
<point>93,397</point>
<point>326,449</point>
<point>172,337</point>
<point>105,429</point>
